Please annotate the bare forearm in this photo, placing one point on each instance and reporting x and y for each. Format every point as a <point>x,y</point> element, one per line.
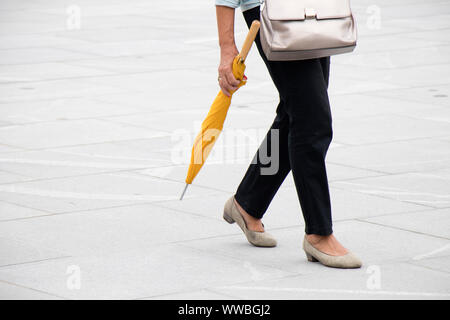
<point>228,50</point>
<point>225,26</point>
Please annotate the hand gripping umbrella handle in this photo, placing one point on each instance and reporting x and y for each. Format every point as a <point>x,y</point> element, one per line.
<point>251,35</point>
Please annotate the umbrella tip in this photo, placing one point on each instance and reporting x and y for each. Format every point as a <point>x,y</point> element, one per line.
<point>184,191</point>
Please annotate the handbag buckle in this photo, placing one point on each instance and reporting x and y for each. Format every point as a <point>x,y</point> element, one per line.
<point>310,13</point>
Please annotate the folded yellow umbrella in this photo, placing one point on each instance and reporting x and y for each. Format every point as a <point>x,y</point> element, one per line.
<point>213,123</point>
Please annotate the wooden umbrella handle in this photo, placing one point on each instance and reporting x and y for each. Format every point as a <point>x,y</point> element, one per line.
<point>249,39</point>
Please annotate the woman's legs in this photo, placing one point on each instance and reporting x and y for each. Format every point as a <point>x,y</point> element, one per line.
<point>303,123</point>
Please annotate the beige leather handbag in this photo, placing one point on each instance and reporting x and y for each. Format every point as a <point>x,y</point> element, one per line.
<point>306,29</point>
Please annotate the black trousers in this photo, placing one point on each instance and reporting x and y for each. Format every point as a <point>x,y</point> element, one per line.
<point>304,132</point>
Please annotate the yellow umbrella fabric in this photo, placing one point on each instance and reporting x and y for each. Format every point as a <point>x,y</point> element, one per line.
<point>213,124</point>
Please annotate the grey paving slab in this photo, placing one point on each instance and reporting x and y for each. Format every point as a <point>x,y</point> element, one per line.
<point>61,109</point>
<point>162,81</point>
<point>94,191</point>
<point>137,149</point>
<point>234,173</point>
<point>53,89</point>
<point>6,148</point>
<point>285,211</point>
<point>64,162</point>
<point>4,123</point>
<point>30,26</point>
<point>431,95</point>
<point>232,157</point>
<point>150,226</point>
<point>432,222</point>
<point>15,251</point>
<point>131,62</point>
<point>428,35</point>
<point>381,245</point>
<point>237,118</point>
<point>365,30</point>
<point>200,97</point>
<point>14,292</point>
<point>194,295</point>
<point>395,157</point>
<point>98,8</point>
<point>10,211</point>
<point>344,171</point>
<point>278,215</point>
<point>402,58</point>
<point>415,9</point>
<point>38,55</point>
<point>195,95</point>
<point>148,51</point>
<point>422,75</point>
<point>96,21</point>
<point>7,177</point>
<point>440,263</point>
<point>45,71</point>
<point>360,105</point>
<point>234,147</point>
<point>397,68</point>
<point>385,128</point>
<point>21,15</point>
<point>348,204</point>
<point>37,40</point>
<point>411,40</point>
<point>355,85</point>
<point>429,189</point>
<point>112,276</point>
<point>71,132</point>
<point>148,149</point>
<point>120,34</point>
<point>431,22</point>
<point>287,256</point>
<point>397,281</point>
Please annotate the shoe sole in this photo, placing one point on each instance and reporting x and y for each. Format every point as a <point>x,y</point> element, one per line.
<point>228,218</point>
<point>311,258</point>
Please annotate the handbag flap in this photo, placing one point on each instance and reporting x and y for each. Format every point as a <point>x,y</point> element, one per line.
<point>301,9</point>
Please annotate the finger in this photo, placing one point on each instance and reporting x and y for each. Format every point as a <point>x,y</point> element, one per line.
<point>223,88</point>
<point>231,79</point>
<point>225,92</point>
<point>227,86</point>
<point>230,89</point>
<point>231,83</point>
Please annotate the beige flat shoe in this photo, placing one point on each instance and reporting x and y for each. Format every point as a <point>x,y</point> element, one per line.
<point>231,214</point>
<point>348,261</point>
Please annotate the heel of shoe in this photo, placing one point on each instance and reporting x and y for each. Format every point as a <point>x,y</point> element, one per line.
<point>311,258</point>
<point>227,218</point>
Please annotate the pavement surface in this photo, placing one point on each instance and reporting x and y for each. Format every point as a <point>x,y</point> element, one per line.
<point>99,104</point>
